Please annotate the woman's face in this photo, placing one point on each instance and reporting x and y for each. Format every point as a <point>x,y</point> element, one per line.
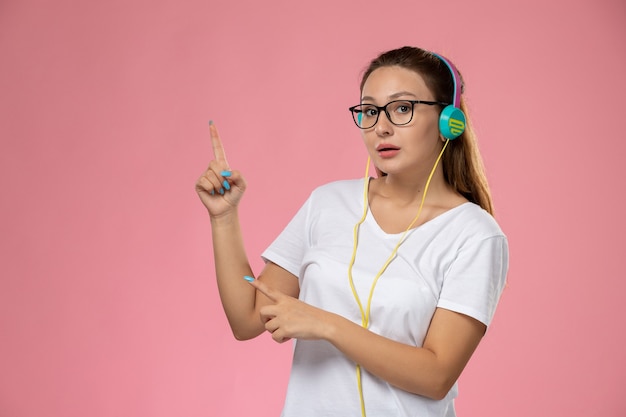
<point>408,148</point>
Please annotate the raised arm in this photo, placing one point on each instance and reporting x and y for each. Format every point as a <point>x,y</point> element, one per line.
<point>220,189</point>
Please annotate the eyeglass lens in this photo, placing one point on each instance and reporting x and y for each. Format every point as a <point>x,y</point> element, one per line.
<point>400,112</point>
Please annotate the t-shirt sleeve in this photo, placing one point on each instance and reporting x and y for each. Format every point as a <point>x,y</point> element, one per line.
<point>476,278</point>
<point>289,248</point>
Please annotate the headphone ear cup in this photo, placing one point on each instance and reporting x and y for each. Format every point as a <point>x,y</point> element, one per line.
<point>451,122</point>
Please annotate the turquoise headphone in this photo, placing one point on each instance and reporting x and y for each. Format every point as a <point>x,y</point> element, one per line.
<point>452,119</point>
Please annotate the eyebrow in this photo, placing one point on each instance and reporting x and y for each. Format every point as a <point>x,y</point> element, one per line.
<point>393,96</point>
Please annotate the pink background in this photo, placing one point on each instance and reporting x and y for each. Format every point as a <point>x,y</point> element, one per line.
<point>108,305</point>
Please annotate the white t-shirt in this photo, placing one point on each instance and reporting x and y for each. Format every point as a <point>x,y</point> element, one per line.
<point>457,261</point>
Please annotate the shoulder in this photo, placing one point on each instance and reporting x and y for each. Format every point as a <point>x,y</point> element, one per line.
<point>335,200</point>
<point>471,221</point>
<point>339,189</point>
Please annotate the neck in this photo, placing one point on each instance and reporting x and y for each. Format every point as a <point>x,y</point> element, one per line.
<point>411,185</point>
<point>409,188</point>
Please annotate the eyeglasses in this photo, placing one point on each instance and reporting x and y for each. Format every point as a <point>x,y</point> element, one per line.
<point>399,112</point>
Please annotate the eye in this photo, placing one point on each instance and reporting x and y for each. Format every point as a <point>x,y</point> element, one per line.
<point>369,111</point>
<point>402,107</point>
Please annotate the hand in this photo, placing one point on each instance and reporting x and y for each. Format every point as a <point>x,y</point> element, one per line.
<point>287,317</point>
<point>219,188</point>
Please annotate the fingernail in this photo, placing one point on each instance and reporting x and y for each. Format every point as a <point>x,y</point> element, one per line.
<point>212,192</point>
<point>221,191</point>
<point>226,184</point>
<point>210,122</point>
<point>248,278</point>
<point>225,173</point>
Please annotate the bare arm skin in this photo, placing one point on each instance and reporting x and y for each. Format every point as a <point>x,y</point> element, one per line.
<point>270,303</point>
<point>220,190</point>
<point>430,370</point>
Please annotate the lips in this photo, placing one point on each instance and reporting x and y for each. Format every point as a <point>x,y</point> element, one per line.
<point>386,150</point>
<point>386,147</point>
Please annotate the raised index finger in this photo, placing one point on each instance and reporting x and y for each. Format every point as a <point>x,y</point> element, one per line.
<point>218,149</point>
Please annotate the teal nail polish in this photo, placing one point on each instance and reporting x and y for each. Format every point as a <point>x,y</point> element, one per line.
<point>225,173</point>
<point>212,192</point>
<point>210,122</point>
<point>221,191</point>
<point>248,278</point>
<point>226,185</point>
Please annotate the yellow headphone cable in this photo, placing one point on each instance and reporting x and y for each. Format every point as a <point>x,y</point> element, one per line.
<point>365,314</point>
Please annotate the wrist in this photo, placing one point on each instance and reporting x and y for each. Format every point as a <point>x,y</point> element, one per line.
<point>331,327</point>
<point>225,219</point>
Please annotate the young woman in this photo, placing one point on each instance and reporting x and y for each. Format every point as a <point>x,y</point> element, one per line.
<point>386,284</point>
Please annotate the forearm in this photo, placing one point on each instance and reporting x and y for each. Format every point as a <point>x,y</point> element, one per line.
<point>413,369</point>
<point>231,265</point>
<point>429,371</point>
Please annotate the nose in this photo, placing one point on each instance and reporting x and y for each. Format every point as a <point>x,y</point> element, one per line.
<point>383,126</point>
